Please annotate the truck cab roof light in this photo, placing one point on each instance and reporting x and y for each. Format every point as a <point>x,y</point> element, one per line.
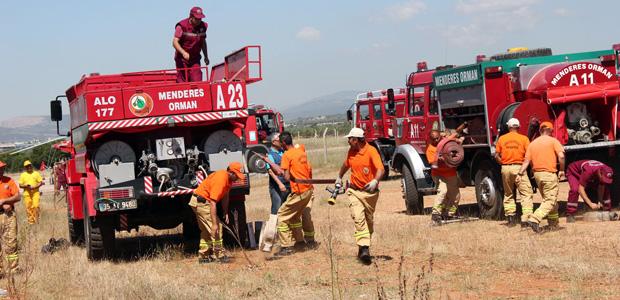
<point>480,58</point>
<point>369,94</point>
<point>491,70</point>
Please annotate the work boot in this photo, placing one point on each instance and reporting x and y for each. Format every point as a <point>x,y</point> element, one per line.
<point>205,260</point>
<point>535,227</point>
<point>285,251</point>
<point>436,219</point>
<point>224,259</point>
<point>570,219</point>
<point>312,245</point>
<point>363,254</point>
<point>511,221</point>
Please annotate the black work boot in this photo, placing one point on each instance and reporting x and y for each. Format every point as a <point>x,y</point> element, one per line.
<point>436,219</point>
<point>570,219</point>
<point>535,227</point>
<point>363,254</point>
<point>511,221</point>
<point>285,251</point>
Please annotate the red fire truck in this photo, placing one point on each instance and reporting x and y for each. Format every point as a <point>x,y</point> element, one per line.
<point>263,122</point>
<point>141,142</point>
<point>371,113</point>
<point>578,92</point>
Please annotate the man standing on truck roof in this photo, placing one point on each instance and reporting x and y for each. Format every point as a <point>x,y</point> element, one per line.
<point>544,153</point>
<point>366,171</point>
<point>448,193</point>
<point>30,180</point>
<point>9,194</point>
<point>190,37</point>
<point>510,153</point>
<point>213,189</point>
<point>583,174</point>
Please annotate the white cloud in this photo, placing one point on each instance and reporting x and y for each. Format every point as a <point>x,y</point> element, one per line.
<point>562,12</point>
<point>486,6</point>
<point>405,10</point>
<point>489,20</point>
<point>309,34</point>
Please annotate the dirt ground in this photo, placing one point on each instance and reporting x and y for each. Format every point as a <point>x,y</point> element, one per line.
<point>481,259</point>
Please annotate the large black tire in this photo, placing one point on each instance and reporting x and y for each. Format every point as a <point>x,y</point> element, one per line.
<point>414,201</point>
<point>522,54</point>
<point>256,165</point>
<point>488,192</point>
<point>99,236</point>
<point>76,231</point>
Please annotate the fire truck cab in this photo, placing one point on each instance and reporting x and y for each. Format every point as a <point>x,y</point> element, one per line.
<point>262,123</point>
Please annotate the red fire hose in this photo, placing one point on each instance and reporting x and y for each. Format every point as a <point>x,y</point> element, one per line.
<point>451,151</point>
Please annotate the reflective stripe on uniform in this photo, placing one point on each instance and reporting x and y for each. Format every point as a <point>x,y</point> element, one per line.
<point>572,204</point>
<point>12,257</point>
<point>284,228</point>
<point>204,244</point>
<point>296,225</point>
<point>361,234</point>
<point>218,243</point>
<point>527,210</point>
<point>553,216</point>
<point>309,233</point>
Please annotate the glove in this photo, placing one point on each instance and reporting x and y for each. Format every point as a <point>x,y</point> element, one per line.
<point>371,186</point>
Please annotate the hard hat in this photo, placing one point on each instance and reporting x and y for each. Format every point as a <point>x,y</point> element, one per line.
<point>27,163</point>
<point>546,124</point>
<point>356,133</point>
<point>513,122</point>
<point>236,167</point>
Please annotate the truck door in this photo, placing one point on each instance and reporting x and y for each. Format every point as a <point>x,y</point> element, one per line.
<point>432,113</point>
<point>377,120</point>
<point>363,117</point>
<point>416,129</point>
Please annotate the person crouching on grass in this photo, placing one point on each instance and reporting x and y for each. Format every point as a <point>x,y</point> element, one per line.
<point>204,204</point>
<point>366,171</point>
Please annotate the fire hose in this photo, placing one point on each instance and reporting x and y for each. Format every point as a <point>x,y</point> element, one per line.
<point>451,152</point>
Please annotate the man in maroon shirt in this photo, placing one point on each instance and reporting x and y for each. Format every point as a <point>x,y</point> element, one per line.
<point>190,37</point>
<point>582,174</point>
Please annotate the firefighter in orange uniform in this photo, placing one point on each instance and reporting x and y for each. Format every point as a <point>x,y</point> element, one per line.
<point>366,171</point>
<point>510,153</point>
<point>212,190</point>
<point>448,193</point>
<point>295,165</point>
<point>9,194</point>
<point>544,153</point>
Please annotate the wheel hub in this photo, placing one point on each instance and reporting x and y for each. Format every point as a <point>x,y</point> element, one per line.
<point>488,193</point>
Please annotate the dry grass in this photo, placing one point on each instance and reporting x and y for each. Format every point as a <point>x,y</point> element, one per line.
<point>472,260</point>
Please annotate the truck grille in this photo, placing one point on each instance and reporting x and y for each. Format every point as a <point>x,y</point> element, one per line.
<point>116,193</point>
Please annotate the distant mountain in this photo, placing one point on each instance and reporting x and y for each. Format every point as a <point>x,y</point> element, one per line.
<point>336,103</point>
<point>21,129</point>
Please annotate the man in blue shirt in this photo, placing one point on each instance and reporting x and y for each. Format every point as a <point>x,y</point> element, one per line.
<point>279,188</point>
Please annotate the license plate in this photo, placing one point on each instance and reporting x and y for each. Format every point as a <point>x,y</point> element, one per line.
<point>229,114</point>
<point>104,206</point>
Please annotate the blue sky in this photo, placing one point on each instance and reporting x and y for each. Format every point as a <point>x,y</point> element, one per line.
<point>310,48</point>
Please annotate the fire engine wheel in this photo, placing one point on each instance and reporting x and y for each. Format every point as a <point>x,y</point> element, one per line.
<point>414,201</point>
<point>76,230</point>
<point>100,239</point>
<point>256,165</point>
<point>488,194</point>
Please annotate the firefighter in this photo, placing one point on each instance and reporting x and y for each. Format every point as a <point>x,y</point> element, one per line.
<point>295,165</point>
<point>279,188</point>
<point>585,174</point>
<point>544,153</point>
<point>448,193</point>
<point>366,171</point>
<point>30,180</point>
<point>204,202</point>
<point>510,152</point>
<point>9,194</point>
<point>190,38</point>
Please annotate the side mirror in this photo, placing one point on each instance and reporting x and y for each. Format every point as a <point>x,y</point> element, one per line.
<point>56,110</point>
<point>390,96</point>
<point>349,115</point>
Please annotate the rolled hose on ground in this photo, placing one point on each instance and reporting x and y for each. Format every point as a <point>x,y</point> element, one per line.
<point>451,151</point>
